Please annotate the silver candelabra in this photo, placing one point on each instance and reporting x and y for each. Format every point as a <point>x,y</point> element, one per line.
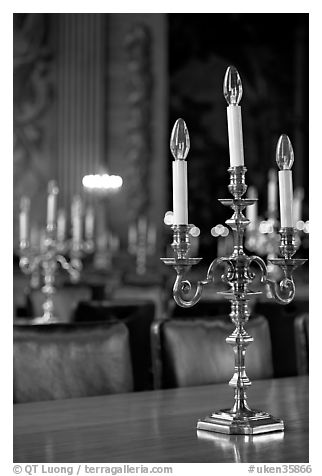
<point>239,273</point>
<point>50,254</point>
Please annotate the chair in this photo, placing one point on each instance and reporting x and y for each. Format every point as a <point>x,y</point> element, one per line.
<point>189,352</point>
<point>154,293</point>
<point>57,361</point>
<point>203,309</point>
<point>19,294</point>
<point>301,333</point>
<point>137,315</point>
<point>281,324</point>
<point>65,300</point>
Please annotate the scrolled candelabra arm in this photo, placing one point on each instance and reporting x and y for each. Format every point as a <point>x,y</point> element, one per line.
<point>284,290</point>
<point>29,261</point>
<point>182,263</point>
<point>74,267</point>
<point>225,277</point>
<point>182,288</point>
<point>29,264</point>
<point>261,263</point>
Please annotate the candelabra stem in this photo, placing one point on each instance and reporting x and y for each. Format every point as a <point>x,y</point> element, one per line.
<point>49,271</point>
<point>240,419</point>
<point>239,340</point>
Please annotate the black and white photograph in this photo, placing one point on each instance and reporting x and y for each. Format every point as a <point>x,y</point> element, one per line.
<point>160,236</point>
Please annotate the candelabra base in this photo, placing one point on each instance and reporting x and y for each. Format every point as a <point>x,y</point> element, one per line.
<point>45,320</point>
<point>254,422</point>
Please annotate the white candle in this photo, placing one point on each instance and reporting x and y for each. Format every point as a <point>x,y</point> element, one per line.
<point>89,223</point>
<point>61,225</point>
<point>52,203</point>
<point>24,218</point>
<point>251,210</point>
<point>179,145</point>
<point>180,192</point>
<point>77,220</point>
<point>233,92</point>
<point>235,136</point>
<point>285,159</point>
<point>286,197</point>
<point>272,192</point>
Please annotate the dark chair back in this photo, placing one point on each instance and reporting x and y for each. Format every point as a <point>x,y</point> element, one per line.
<point>195,352</point>
<point>137,315</point>
<point>281,324</point>
<point>57,361</point>
<point>301,330</point>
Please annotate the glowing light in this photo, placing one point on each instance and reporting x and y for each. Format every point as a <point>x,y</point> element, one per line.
<point>225,231</point>
<point>195,231</point>
<point>168,218</point>
<point>53,187</point>
<point>102,182</point>
<point>213,232</point>
<point>307,227</point>
<point>300,225</point>
<point>219,230</point>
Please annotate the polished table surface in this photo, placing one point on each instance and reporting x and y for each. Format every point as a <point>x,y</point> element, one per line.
<point>160,426</point>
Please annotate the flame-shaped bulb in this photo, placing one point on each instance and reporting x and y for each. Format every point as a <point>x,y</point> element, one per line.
<point>233,89</point>
<point>179,141</point>
<point>284,153</point>
<point>53,187</point>
<point>25,204</point>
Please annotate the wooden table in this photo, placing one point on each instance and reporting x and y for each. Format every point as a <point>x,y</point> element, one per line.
<point>160,426</point>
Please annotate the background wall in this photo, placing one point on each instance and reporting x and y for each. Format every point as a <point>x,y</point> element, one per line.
<point>270,52</point>
<point>97,92</point>
<point>90,95</point>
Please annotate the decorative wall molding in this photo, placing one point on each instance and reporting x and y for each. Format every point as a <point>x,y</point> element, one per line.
<point>139,151</point>
<point>32,108</point>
